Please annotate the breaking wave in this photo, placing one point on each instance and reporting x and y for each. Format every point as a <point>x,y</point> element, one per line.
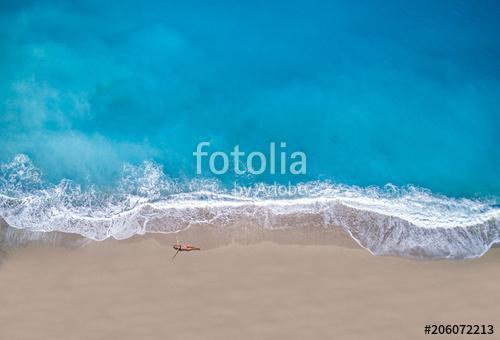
<point>405,221</point>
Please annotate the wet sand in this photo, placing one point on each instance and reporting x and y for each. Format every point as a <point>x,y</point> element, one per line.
<point>264,290</point>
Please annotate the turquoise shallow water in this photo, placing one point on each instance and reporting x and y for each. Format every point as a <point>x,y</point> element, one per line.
<point>102,102</point>
<point>372,92</point>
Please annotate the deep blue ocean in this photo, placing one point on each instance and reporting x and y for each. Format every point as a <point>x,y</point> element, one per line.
<point>102,105</point>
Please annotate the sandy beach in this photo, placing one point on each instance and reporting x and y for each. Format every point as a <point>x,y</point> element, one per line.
<point>132,289</point>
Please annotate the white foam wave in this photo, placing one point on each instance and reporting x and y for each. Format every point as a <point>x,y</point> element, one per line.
<point>400,221</point>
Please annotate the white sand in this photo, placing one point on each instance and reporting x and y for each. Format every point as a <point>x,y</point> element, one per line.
<point>133,290</point>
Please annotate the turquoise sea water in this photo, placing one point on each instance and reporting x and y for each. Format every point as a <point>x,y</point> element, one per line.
<point>395,105</point>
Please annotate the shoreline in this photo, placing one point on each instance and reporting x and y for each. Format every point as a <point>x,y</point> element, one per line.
<point>388,236</point>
